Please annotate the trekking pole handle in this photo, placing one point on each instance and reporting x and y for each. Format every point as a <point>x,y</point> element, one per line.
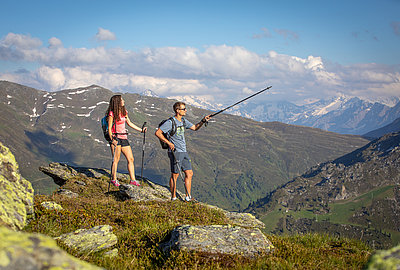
<point>144,125</point>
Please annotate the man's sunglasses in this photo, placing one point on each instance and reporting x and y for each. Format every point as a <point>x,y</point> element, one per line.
<point>184,109</point>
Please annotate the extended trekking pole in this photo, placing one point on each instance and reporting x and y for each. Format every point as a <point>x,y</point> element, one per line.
<point>259,92</point>
<point>144,142</point>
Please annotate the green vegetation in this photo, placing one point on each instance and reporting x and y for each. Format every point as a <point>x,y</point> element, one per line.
<point>142,226</point>
<point>341,212</point>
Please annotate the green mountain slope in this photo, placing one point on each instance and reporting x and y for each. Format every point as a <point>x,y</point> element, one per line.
<point>357,195</point>
<point>235,160</point>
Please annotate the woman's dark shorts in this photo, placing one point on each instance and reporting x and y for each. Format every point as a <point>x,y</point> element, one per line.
<point>123,142</point>
<point>183,160</point>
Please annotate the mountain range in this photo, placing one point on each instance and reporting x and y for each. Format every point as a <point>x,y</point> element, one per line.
<point>356,195</point>
<point>236,160</point>
<point>340,114</point>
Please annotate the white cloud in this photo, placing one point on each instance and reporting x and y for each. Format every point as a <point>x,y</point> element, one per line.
<point>223,72</point>
<point>54,77</point>
<point>54,42</point>
<point>104,34</point>
<point>20,41</point>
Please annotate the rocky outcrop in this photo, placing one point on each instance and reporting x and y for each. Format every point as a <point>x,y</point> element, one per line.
<point>91,240</point>
<point>61,173</point>
<point>218,239</point>
<point>20,250</point>
<point>148,191</point>
<point>385,259</point>
<point>16,193</point>
<point>241,236</point>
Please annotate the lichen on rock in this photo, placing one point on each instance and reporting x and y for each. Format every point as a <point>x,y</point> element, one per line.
<point>385,259</point>
<point>16,193</point>
<point>90,240</point>
<point>218,239</point>
<point>51,206</point>
<point>19,250</point>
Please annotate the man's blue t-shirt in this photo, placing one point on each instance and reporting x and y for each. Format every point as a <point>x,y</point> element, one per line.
<point>179,137</point>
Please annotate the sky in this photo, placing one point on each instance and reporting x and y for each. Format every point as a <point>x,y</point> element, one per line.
<point>219,51</point>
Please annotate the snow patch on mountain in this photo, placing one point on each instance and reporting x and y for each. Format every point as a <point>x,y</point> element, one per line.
<point>200,102</point>
<point>149,93</point>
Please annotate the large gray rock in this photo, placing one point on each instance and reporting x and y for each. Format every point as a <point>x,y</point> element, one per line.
<point>16,193</point>
<point>218,239</point>
<point>62,173</point>
<point>28,251</point>
<point>246,220</point>
<point>148,191</point>
<point>91,240</point>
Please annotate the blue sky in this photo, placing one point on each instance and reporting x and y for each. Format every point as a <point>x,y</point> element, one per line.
<point>216,50</point>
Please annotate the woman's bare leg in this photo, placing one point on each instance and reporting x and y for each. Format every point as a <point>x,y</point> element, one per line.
<point>127,151</point>
<point>116,157</point>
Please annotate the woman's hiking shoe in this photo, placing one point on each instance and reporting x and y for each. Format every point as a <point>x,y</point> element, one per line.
<point>188,198</point>
<point>115,183</point>
<point>134,183</point>
<point>174,199</point>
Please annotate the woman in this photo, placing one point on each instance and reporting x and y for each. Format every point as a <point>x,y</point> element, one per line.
<point>117,117</point>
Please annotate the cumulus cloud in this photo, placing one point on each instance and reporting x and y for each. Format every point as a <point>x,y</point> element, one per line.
<point>104,34</point>
<point>20,41</point>
<point>220,71</point>
<point>55,42</point>
<point>54,77</point>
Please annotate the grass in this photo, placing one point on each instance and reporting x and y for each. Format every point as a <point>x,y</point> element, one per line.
<point>142,226</point>
<point>340,212</point>
<point>350,206</point>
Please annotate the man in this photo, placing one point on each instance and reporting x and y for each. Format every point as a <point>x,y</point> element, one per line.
<point>177,147</point>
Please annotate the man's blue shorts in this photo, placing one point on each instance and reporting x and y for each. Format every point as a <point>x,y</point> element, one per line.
<point>183,160</point>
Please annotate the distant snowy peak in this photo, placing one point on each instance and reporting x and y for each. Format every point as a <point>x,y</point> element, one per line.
<point>149,93</point>
<point>342,114</point>
<point>198,102</point>
<point>324,107</point>
<point>388,101</point>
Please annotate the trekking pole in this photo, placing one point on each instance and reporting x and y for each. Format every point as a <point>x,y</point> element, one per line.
<point>143,146</point>
<point>259,92</point>
<point>180,171</point>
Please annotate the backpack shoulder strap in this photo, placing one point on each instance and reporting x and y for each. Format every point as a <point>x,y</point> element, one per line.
<point>173,130</point>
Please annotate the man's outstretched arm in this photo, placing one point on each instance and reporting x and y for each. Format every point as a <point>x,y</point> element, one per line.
<point>200,124</point>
